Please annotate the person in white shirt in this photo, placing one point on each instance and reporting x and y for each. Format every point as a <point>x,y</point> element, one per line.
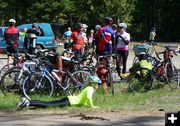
<point>122,41</point>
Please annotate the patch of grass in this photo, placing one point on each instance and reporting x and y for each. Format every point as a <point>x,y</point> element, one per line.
<point>151,101</point>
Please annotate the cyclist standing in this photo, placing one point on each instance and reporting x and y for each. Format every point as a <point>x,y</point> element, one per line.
<point>11,36</point>
<point>83,99</point>
<point>114,28</point>
<point>67,38</point>
<point>30,39</point>
<point>105,37</point>
<point>95,42</point>
<point>91,37</point>
<point>152,36</point>
<point>122,41</point>
<point>78,41</point>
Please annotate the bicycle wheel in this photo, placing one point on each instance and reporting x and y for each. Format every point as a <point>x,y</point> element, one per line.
<point>35,86</point>
<point>172,76</point>
<point>140,80</point>
<point>110,81</point>
<point>77,81</point>
<point>5,68</point>
<point>9,81</point>
<point>135,59</point>
<point>88,69</point>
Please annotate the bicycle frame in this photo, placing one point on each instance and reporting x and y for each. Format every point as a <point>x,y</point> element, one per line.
<point>64,86</point>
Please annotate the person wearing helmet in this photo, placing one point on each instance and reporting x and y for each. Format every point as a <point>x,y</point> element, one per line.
<point>67,38</point>
<point>95,44</point>
<point>142,63</point>
<point>84,35</point>
<point>122,41</point>
<point>97,27</point>
<point>78,41</point>
<point>105,40</point>
<point>91,37</point>
<point>12,37</point>
<point>83,99</point>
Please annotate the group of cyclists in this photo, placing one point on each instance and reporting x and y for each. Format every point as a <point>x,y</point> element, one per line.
<point>105,40</point>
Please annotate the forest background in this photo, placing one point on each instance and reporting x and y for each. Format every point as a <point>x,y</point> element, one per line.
<point>140,15</point>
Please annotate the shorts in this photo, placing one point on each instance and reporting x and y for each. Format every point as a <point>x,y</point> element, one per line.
<point>151,43</point>
<point>12,50</point>
<point>105,53</point>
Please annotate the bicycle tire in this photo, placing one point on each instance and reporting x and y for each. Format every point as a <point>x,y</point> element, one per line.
<point>140,82</point>
<point>135,59</point>
<point>172,76</point>
<point>5,68</point>
<point>31,88</point>
<point>9,81</point>
<point>88,69</point>
<point>81,78</point>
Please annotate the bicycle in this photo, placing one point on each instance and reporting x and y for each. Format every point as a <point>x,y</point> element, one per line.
<point>140,80</point>
<point>12,79</point>
<point>17,62</point>
<point>171,72</point>
<point>108,73</point>
<point>163,72</point>
<point>46,82</point>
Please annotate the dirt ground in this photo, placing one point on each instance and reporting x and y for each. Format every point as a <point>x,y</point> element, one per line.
<point>96,118</point>
<point>62,118</point>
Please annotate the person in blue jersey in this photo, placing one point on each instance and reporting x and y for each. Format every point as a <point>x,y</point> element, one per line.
<point>67,38</point>
<point>105,37</point>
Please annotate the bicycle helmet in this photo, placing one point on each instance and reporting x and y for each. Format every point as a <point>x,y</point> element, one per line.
<point>97,27</point>
<point>108,20</point>
<point>91,31</point>
<point>142,56</point>
<point>12,21</point>
<point>84,26</point>
<point>93,80</point>
<point>122,25</point>
<point>78,25</point>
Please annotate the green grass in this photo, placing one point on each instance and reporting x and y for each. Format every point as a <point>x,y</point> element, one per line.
<point>152,101</point>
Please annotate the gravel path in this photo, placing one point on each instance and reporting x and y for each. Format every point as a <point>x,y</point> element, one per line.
<point>63,119</point>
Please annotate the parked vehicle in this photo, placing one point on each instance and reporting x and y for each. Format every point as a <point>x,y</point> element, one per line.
<point>46,40</point>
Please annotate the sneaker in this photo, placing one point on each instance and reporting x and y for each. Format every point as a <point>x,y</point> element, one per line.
<point>23,103</point>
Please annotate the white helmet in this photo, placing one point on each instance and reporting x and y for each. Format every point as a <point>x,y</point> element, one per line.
<point>91,31</point>
<point>12,21</point>
<point>97,27</point>
<point>84,26</point>
<point>122,25</point>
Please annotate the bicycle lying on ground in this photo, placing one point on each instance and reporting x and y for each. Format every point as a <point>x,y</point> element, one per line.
<point>163,73</point>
